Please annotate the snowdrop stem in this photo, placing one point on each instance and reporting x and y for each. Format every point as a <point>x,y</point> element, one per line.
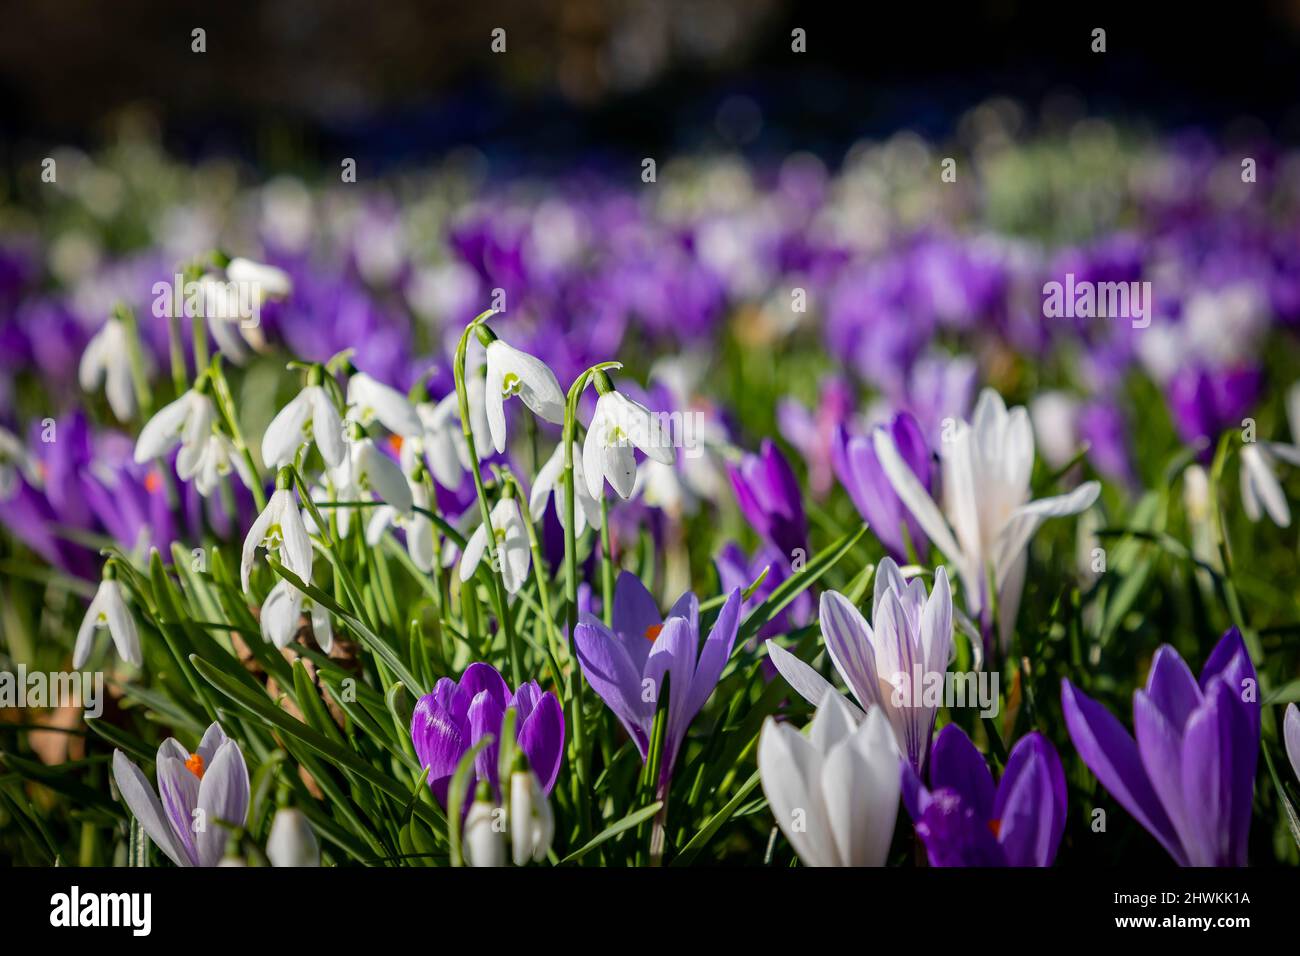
<point>143,396</point>
<point>221,391</point>
<point>606,564</point>
<point>485,508</point>
<point>176,349</point>
<point>540,576</point>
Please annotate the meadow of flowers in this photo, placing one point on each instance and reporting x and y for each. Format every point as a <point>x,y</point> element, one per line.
<point>763,513</point>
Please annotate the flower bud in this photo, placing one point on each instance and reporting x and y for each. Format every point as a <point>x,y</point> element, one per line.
<point>482,843</point>
<point>292,842</point>
<point>532,825</point>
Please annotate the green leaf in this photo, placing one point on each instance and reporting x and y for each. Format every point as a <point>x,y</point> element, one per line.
<point>629,822</point>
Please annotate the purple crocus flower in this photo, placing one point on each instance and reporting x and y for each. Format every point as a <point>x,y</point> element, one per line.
<point>203,794</point>
<point>449,721</point>
<point>1204,402</point>
<point>1190,775</point>
<point>963,820</point>
<point>626,665</point>
<point>770,499</point>
<point>859,471</point>
<point>737,571</point>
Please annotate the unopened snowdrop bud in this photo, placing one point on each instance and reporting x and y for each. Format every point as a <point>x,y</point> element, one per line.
<point>270,282</point>
<point>279,529</point>
<point>292,841</point>
<point>619,425</point>
<point>512,555</point>
<point>310,417</point>
<point>107,359</point>
<point>511,372</point>
<point>483,843</point>
<point>369,400</point>
<point>532,825</point>
<point>108,609</point>
<point>550,482</point>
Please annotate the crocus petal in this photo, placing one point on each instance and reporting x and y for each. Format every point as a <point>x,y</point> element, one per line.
<point>805,681</point>
<point>913,495</point>
<point>1030,820</point>
<point>143,802</point>
<point>439,740</point>
<point>849,642</point>
<point>860,787</point>
<point>790,773</point>
<point>223,797</point>
<point>956,765</point>
<point>715,653</point>
<point>1291,731</point>
<point>1113,757</point>
<point>1216,733</point>
<point>1025,520</point>
<point>178,790</point>
<point>541,737</point>
<point>610,672</point>
<point>485,716</point>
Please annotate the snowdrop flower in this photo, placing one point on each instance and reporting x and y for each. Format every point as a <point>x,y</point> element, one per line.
<point>890,668</point>
<point>987,519</point>
<point>483,843</point>
<point>370,399</point>
<point>310,417</point>
<point>618,425</point>
<point>511,547</point>
<point>367,471</point>
<point>512,372</point>
<point>107,359</point>
<point>280,529</point>
<point>202,794</point>
<point>550,482</point>
<point>282,611</point>
<point>15,460</point>
<point>269,281</point>
<point>206,454</point>
<point>442,441</point>
<point>531,822</point>
<point>1261,492</point>
<point>225,316</point>
<point>292,841</point>
<point>419,529</point>
<point>108,609</point>
<point>835,792</point>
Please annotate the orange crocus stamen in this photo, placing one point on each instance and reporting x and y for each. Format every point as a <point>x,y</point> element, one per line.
<point>195,765</point>
<point>996,827</point>
<point>652,631</point>
<point>395,443</point>
<point>152,482</point>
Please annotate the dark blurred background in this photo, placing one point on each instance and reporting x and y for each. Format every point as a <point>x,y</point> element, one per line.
<point>398,80</point>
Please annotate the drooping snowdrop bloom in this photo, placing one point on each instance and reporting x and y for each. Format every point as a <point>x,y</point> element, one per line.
<point>225,314</point>
<point>963,820</point>
<point>834,793</point>
<point>107,359</point>
<point>456,715</point>
<point>369,399</point>
<point>279,529</point>
<point>108,609</point>
<point>626,665</point>
<point>269,282</point>
<point>1291,732</point>
<point>441,444</point>
<point>281,614</point>
<point>206,455</point>
<point>1190,776</point>
<point>511,372</point>
<point>987,519</point>
<point>292,841</point>
<point>531,822</point>
<point>898,667</point>
<point>1261,492</point>
<point>203,794</point>
<point>366,472</point>
<point>619,425</point>
<point>309,417</point>
<point>511,546</point>
<point>419,529</point>
<point>550,483</point>
<point>483,840</point>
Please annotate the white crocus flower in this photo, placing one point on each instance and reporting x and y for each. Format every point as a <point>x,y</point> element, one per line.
<point>107,359</point>
<point>987,519</point>
<point>891,666</point>
<point>531,822</point>
<point>835,792</point>
<point>369,399</point>
<point>512,372</point>
<point>419,529</point>
<point>270,282</point>
<point>619,425</point>
<point>1261,492</point>
<point>108,609</point>
<point>310,417</point>
<point>511,546</point>
<point>483,843</point>
<point>15,460</point>
<point>279,529</point>
<point>292,841</point>
<point>206,454</point>
<point>282,611</point>
<point>550,480</point>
